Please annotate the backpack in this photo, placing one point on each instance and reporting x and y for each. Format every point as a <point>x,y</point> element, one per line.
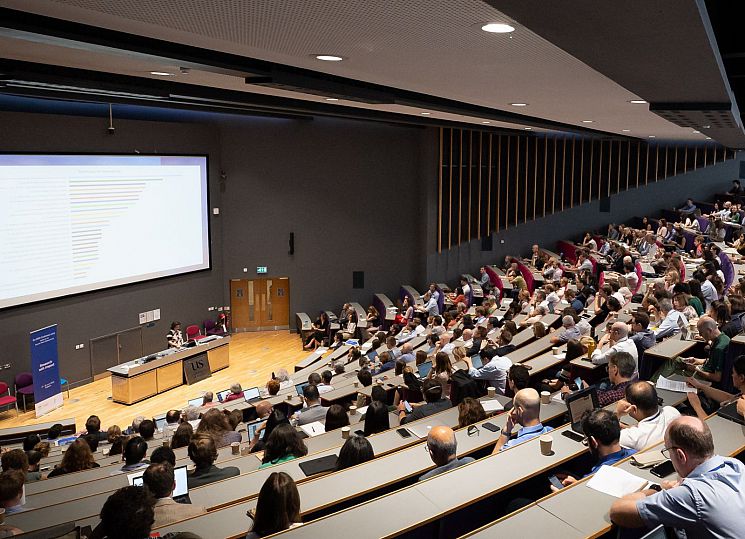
<point>462,386</point>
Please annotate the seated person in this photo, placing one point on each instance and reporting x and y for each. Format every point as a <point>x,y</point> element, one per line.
<point>442,447</point>
<point>526,410</point>
<point>621,373</point>
<point>710,369</point>
<point>277,508</point>
<point>614,341</point>
<point>493,372</point>
<point>93,427</point>
<point>203,453</point>
<point>652,419</point>
<point>160,480</point>
<point>387,362</point>
<point>571,331</point>
<point>216,424</point>
<point>236,392</point>
<point>34,468</point>
<point>313,411</point>
<point>77,457</point>
<point>706,502</point>
<point>718,396</point>
<point>434,402</point>
<point>147,430</point>
<point>356,450</point>
<point>127,514</point>
<point>324,385</point>
<point>284,444</point>
<point>134,455</point>
<point>272,387</point>
<point>11,491</point>
<point>603,431</point>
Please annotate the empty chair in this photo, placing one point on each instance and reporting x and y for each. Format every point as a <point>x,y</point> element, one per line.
<point>24,385</point>
<point>193,333</point>
<point>7,400</point>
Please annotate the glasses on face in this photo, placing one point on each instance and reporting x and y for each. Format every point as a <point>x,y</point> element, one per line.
<point>666,451</point>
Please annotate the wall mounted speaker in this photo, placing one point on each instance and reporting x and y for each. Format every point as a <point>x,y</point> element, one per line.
<point>291,244</point>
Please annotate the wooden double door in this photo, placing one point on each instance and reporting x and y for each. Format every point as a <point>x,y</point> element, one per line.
<point>260,304</point>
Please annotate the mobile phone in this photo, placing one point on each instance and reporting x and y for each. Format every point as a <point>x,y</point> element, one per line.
<point>491,426</point>
<point>403,433</point>
<point>663,469</point>
<point>408,407</point>
<point>555,482</point>
<point>573,435</point>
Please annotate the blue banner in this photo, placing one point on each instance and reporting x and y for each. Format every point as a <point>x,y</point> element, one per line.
<point>45,370</point>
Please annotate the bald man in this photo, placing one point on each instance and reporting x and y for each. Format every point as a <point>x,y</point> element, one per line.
<point>526,411</point>
<point>616,340</point>
<point>707,502</point>
<point>710,369</point>
<point>442,447</point>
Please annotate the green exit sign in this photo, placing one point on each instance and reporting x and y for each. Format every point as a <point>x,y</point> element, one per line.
<point>260,269</point>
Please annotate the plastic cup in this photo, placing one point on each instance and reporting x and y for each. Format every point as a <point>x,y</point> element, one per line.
<point>491,391</point>
<point>235,447</point>
<point>546,441</point>
<point>545,397</point>
<point>345,432</point>
<point>352,410</point>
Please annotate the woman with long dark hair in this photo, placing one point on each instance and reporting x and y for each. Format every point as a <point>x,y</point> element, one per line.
<point>77,458</point>
<point>182,436</point>
<point>284,444</point>
<point>278,506</point>
<point>376,418</point>
<point>356,450</point>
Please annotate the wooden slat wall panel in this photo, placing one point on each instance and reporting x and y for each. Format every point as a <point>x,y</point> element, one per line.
<point>489,182</point>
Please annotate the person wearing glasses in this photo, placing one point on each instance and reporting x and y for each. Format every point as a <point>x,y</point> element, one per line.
<point>616,340</point>
<point>442,448</point>
<point>707,500</point>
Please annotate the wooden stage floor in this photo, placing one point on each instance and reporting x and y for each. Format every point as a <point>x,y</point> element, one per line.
<point>253,357</point>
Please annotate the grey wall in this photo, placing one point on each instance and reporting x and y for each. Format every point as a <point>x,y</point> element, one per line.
<point>86,316</point>
<point>701,184</point>
<point>350,191</point>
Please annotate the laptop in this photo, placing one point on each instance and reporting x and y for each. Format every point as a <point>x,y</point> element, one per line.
<point>196,402</point>
<point>160,422</point>
<point>424,369</point>
<point>729,411</point>
<point>319,465</point>
<point>252,394</point>
<point>579,402</point>
<point>222,394</point>
<point>477,362</point>
<point>251,428</point>
<point>299,388</point>
<point>180,493</point>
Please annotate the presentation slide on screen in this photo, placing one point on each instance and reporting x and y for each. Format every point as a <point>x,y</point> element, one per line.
<point>76,223</point>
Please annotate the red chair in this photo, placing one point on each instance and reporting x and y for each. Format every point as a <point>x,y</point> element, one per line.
<point>193,333</point>
<point>7,400</point>
<point>24,384</point>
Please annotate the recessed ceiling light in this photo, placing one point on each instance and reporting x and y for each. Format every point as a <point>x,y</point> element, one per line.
<point>652,136</point>
<point>329,58</point>
<point>528,128</point>
<point>162,73</point>
<point>498,28</point>
<point>425,113</point>
<point>519,104</point>
<point>587,121</point>
<point>332,99</point>
<point>485,122</point>
<point>626,130</point>
<point>637,102</point>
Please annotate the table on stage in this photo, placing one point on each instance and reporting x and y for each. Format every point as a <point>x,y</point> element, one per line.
<point>139,379</point>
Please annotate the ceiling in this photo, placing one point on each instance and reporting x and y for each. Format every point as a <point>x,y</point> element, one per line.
<point>401,58</point>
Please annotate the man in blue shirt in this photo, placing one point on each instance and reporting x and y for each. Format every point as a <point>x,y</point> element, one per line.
<point>526,411</point>
<point>603,432</point>
<point>708,501</point>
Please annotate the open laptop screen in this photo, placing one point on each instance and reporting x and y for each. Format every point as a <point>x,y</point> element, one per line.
<point>299,388</point>
<point>424,369</point>
<point>196,402</point>
<point>580,402</point>
<point>251,393</point>
<point>222,394</point>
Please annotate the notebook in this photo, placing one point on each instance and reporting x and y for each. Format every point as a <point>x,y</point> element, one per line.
<point>729,411</point>
<point>313,429</point>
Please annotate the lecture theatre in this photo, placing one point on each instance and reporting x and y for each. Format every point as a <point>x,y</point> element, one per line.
<point>372,269</point>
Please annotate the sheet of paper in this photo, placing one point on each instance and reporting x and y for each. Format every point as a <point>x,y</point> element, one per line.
<point>615,481</point>
<point>492,405</point>
<point>362,411</point>
<point>674,385</point>
<point>556,397</point>
<point>149,316</point>
<point>156,314</point>
<point>143,318</point>
<point>313,429</point>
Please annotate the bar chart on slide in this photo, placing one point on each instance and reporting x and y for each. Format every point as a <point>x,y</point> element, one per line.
<point>69,228</point>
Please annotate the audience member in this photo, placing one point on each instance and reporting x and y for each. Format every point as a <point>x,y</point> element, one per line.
<point>147,429</point>
<point>77,457</point>
<point>652,419</point>
<point>470,411</point>
<point>616,340</point>
<point>432,391</point>
<point>30,441</point>
<point>442,447</point>
<point>710,369</point>
<point>163,454</point>
<point>707,502</point>
<point>216,424</point>
<point>621,369</point>
<point>11,491</point>
<point>526,408</point>
<point>34,468</point>
<point>284,444</point>
<point>277,508</point>
<point>160,481</point>
<point>203,453</point>
<point>127,514</point>
<point>376,418</point>
<point>182,436</point>
<point>16,459</point>
<point>134,455</point>
<point>313,410</point>
<point>336,417</point>
<point>356,450</point>
<point>54,432</point>
<point>115,438</point>
<point>93,427</point>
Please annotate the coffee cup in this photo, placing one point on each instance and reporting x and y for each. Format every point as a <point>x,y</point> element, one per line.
<point>545,397</point>
<point>289,397</point>
<point>555,350</point>
<point>245,451</point>
<point>166,443</point>
<point>235,447</point>
<point>491,391</point>
<point>345,432</point>
<point>546,441</point>
<point>356,384</point>
<point>352,410</point>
